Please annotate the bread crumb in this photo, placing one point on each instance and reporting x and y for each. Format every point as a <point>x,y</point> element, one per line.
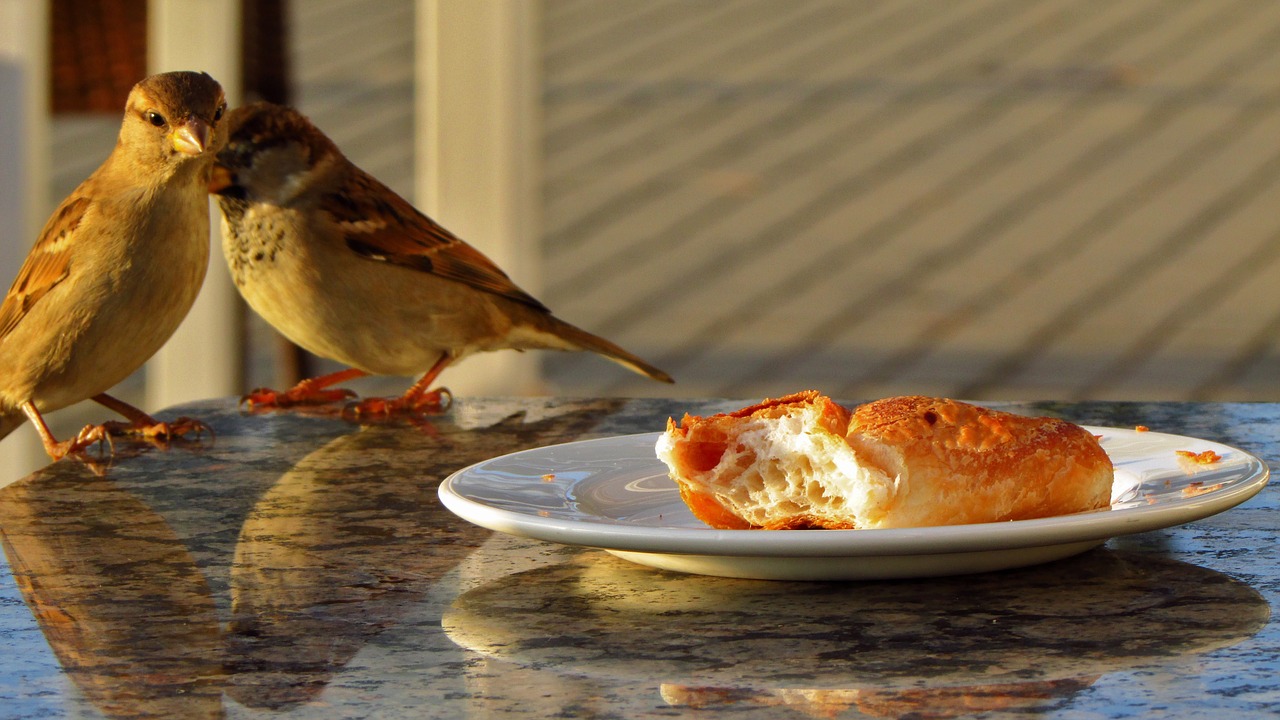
<point>1208,457</point>
<point>549,477</point>
<point>1196,488</point>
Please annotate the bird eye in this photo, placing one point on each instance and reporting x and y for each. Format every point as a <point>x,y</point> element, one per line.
<point>155,118</point>
<point>217,114</point>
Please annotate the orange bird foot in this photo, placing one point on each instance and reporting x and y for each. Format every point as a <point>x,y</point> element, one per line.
<point>139,424</point>
<point>413,403</point>
<point>89,436</point>
<point>265,398</point>
<point>151,429</point>
<point>312,391</point>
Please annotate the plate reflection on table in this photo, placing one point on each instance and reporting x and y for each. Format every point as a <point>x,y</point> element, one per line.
<point>1023,638</point>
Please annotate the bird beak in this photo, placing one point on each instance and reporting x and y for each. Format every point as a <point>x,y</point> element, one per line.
<point>220,179</point>
<point>191,137</point>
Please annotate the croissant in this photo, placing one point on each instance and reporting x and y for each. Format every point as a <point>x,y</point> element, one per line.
<point>803,461</point>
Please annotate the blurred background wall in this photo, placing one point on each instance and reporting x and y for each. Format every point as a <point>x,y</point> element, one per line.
<point>984,199</point>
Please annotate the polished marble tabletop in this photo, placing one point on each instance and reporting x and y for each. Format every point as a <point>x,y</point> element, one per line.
<point>300,565</point>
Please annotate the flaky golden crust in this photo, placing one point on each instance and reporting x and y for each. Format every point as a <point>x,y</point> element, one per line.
<point>803,461</point>
<point>981,465</point>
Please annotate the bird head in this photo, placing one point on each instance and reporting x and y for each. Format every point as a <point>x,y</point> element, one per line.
<point>173,118</point>
<point>273,155</point>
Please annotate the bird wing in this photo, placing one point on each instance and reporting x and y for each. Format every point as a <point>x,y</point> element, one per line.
<point>48,263</point>
<point>380,225</point>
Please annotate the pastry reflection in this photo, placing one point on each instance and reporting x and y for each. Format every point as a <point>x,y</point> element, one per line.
<point>339,549</point>
<point>1026,639</point>
<point>917,703</point>
<point>116,593</point>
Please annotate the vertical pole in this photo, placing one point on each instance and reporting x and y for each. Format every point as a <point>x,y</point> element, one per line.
<point>24,171</point>
<point>478,154</point>
<point>204,358</point>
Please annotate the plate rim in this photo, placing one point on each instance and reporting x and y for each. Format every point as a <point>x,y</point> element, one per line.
<point>1097,525</point>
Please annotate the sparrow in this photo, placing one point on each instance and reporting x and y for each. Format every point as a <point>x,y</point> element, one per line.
<point>116,267</point>
<point>345,268</point>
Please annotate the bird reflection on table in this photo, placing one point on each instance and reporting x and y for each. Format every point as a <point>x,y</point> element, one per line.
<point>328,557</point>
<point>117,593</point>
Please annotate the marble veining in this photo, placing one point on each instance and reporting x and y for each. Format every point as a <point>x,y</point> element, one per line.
<point>301,566</point>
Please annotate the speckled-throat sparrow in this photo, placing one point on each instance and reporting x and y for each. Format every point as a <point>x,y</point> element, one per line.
<point>347,269</point>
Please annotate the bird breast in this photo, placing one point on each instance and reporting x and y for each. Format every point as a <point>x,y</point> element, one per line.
<point>164,266</point>
<point>120,303</point>
<point>251,239</point>
<point>302,278</point>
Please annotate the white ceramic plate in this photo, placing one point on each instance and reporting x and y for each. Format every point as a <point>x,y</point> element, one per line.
<point>614,494</point>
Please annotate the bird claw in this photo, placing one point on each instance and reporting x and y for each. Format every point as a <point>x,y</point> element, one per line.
<point>434,402</point>
<point>88,436</point>
<point>266,398</point>
<point>183,426</point>
<point>158,433</point>
<point>159,430</point>
<point>77,447</point>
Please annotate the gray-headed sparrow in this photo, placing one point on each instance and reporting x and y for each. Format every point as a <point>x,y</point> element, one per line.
<point>350,271</point>
<point>117,266</point>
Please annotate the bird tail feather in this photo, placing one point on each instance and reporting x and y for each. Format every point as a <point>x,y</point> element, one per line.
<point>584,340</point>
